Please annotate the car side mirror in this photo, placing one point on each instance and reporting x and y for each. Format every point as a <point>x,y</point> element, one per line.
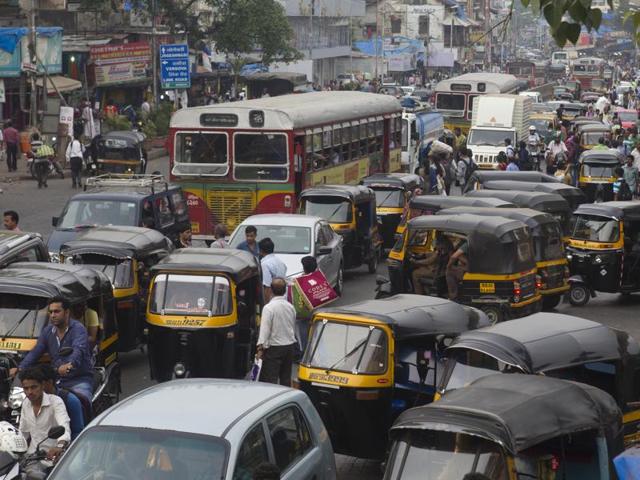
<point>54,221</point>
<point>324,250</point>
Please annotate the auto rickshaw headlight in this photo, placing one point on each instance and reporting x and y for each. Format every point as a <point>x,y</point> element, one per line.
<point>179,370</point>
<point>54,257</point>
<point>597,259</point>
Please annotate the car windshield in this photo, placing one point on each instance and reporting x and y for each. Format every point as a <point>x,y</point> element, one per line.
<point>332,209</point>
<point>436,455</point>
<point>134,454</point>
<point>199,295</point>
<point>596,229</point>
<point>600,171</point>
<point>98,212</point>
<point>287,239</point>
<point>494,138</point>
<point>347,347</point>
<point>465,366</point>
<point>21,316</point>
<point>389,198</point>
<point>118,270</point>
<point>628,116</point>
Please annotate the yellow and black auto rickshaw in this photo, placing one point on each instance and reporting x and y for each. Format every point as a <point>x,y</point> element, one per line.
<point>393,193</point>
<point>509,427</point>
<point>597,173</point>
<point>125,255</point>
<point>572,195</point>
<point>202,313</point>
<point>479,177</point>
<point>560,346</point>
<point>365,363</point>
<point>591,133</point>
<point>351,211</point>
<point>604,250</point>
<point>548,248</point>
<point>121,152</point>
<point>500,273</point>
<point>25,290</point>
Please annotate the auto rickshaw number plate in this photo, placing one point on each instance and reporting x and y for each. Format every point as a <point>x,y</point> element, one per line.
<point>487,288</point>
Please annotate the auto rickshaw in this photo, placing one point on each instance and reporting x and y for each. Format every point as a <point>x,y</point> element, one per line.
<point>591,133</point>
<point>561,346</point>
<point>500,278</point>
<point>25,290</point>
<point>351,211</point>
<point>580,121</point>
<point>509,427</point>
<point>121,152</point>
<point>367,362</point>
<point>597,173</point>
<point>431,204</point>
<point>548,247</point>
<point>604,250</point>
<point>202,313</point>
<point>479,177</point>
<point>550,203</point>
<point>125,255</point>
<point>573,195</point>
<point>393,193</point>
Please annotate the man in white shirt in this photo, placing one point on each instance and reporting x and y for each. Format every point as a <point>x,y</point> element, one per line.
<point>272,266</point>
<point>40,412</point>
<point>277,338</point>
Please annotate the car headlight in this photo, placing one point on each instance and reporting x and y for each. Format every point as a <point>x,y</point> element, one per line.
<point>55,257</point>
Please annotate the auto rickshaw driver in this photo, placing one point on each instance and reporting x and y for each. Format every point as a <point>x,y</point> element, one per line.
<point>431,268</point>
<point>457,266</point>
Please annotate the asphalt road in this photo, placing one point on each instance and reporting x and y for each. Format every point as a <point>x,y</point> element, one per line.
<point>36,207</point>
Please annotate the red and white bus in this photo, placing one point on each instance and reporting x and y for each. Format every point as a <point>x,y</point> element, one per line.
<point>241,158</point>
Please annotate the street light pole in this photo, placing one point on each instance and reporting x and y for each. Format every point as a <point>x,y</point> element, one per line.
<point>33,103</point>
<point>154,53</point>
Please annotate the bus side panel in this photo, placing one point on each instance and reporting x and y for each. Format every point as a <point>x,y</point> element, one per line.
<point>199,213</point>
<point>276,198</point>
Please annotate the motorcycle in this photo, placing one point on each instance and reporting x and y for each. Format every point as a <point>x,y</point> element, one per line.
<point>535,153</point>
<point>13,448</point>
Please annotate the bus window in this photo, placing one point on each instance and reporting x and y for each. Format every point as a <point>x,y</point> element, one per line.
<point>261,156</point>
<point>346,143</point>
<point>202,149</point>
<point>470,109</point>
<point>364,139</point>
<point>450,101</point>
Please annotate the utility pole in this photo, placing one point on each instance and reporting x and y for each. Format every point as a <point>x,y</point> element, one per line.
<point>377,35</point>
<point>33,103</point>
<point>154,53</point>
<point>488,34</point>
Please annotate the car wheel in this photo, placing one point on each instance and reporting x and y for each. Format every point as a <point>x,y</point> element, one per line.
<point>493,312</point>
<point>550,302</point>
<point>578,295</point>
<point>340,281</point>
<point>373,262</point>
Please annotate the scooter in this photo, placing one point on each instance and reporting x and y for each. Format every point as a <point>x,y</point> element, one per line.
<point>13,445</point>
<point>535,152</point>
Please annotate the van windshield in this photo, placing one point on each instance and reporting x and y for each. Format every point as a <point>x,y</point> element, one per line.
<point>494,138</point>
<point>596,229</point>
<point>80,213</point>
<point>347,348</point>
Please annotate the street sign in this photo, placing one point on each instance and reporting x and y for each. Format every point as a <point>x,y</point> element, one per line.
<point>174,66</point>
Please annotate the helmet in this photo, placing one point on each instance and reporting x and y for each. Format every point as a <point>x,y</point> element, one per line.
<point>11,440</point>
<point>532,128</point>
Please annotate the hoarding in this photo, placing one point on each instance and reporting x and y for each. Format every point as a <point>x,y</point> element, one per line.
<point>120,63</point>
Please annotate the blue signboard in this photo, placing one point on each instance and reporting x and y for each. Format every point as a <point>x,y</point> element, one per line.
<point>174,66</point>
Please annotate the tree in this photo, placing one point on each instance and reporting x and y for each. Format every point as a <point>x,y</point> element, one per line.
<point>246,26</point>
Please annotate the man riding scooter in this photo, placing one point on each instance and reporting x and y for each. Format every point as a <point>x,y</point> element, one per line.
<point>43,157</point>
<point>534,146</point>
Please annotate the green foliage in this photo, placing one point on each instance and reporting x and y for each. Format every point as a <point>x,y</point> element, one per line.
<point>119,122</point>
<point>566,17</point>
<point>157,124</point>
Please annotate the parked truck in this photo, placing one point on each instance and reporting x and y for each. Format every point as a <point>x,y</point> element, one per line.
<point>418,128</point>
<point>494,119</point>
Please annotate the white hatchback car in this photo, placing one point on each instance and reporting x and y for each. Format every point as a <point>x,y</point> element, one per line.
<point>296,236</point>
<point>203,428</point>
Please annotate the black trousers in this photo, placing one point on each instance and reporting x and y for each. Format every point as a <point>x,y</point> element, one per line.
<point>12,156</point>
<point>276,364</point>
<point>76,171</point>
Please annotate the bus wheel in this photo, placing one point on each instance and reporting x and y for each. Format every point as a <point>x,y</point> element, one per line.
<point>494,312</point>
<point>550,302</point>
<point>578,295</point>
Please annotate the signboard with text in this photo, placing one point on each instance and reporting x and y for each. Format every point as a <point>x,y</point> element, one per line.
<point>175,71</point>
<point>121,63</point>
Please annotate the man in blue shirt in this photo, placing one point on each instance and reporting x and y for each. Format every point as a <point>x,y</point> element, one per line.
<point>272,266</point>
<point>75,370</point>
<point>71,401</point>
<point>249,244</point>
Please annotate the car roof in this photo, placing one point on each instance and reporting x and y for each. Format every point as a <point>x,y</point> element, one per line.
<point>214,406</point>
<point>283,219</point>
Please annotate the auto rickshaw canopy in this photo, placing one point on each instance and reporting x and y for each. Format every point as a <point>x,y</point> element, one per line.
<point>75,283</point>
<point>354,193</point>
<point>121,139</point>
<point>482,176</point>
<point>414,316</point>
<point>628,210</point>
<point>573,195</point>
<point>517,411</point>
<point>427,202</point>
<point>118,242</point>
<point>405,181</point>
<point>544,202</point>
<point>550,341</point>
<point>497,245</point>
<point>594,127</point>
<point>238,264</point>
<point>601,157</point>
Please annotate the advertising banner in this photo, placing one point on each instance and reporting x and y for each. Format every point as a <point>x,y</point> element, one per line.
<point>121,63</point>
<point>309,292</point>
<point>48,50</point>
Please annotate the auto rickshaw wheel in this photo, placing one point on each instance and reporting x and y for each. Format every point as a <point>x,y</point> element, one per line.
<point>578,295</point>
<point>551,301</point>
<point>373,261</point>
<point>493,312</point>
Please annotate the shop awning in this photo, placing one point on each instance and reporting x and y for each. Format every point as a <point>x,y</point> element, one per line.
<point>62,84</point>
<point>458,21</point>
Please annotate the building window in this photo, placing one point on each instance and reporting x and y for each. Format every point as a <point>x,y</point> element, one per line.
<point>396,25</point>
<point>423,25</point>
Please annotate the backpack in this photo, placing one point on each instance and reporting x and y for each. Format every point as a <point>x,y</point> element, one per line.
<point>471,167</point>
<point>624,192</point>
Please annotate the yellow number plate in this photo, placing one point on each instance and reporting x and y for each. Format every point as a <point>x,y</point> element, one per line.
<point>487,288</point>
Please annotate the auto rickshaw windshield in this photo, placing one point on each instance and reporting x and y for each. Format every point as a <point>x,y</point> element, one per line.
<point>444,456</point>
<point>22,316</point>
<point>596,229</point>
<point>599,171</point>
<point>347,347</point>
<point>464,366</point>
<point>332,209</point>
<point>193,295</point>
<point>591,138</point>
<point>389,198</point>
<point>119,271</point>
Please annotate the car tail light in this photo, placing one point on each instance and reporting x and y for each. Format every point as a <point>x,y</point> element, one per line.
<point>517,291</point>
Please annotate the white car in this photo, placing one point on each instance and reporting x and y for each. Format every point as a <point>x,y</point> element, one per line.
<point>297,236</point>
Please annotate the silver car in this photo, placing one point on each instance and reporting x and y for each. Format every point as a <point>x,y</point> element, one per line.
<point>203,428</point>
<point>297,236</point>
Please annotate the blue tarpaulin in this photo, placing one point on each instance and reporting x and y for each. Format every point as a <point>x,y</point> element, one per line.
<point>399,45</point>
<point>10,37</point>
<point>628,464</point>
<point>252,68</point>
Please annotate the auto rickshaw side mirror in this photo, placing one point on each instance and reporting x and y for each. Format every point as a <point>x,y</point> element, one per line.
<point>54,221</point>
<point>444,341</point>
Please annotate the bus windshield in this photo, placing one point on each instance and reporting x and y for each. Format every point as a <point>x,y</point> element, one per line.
<point>332,209</point>
<point>494,138</point>
<point>596,229</point>
<point>202,153</point>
